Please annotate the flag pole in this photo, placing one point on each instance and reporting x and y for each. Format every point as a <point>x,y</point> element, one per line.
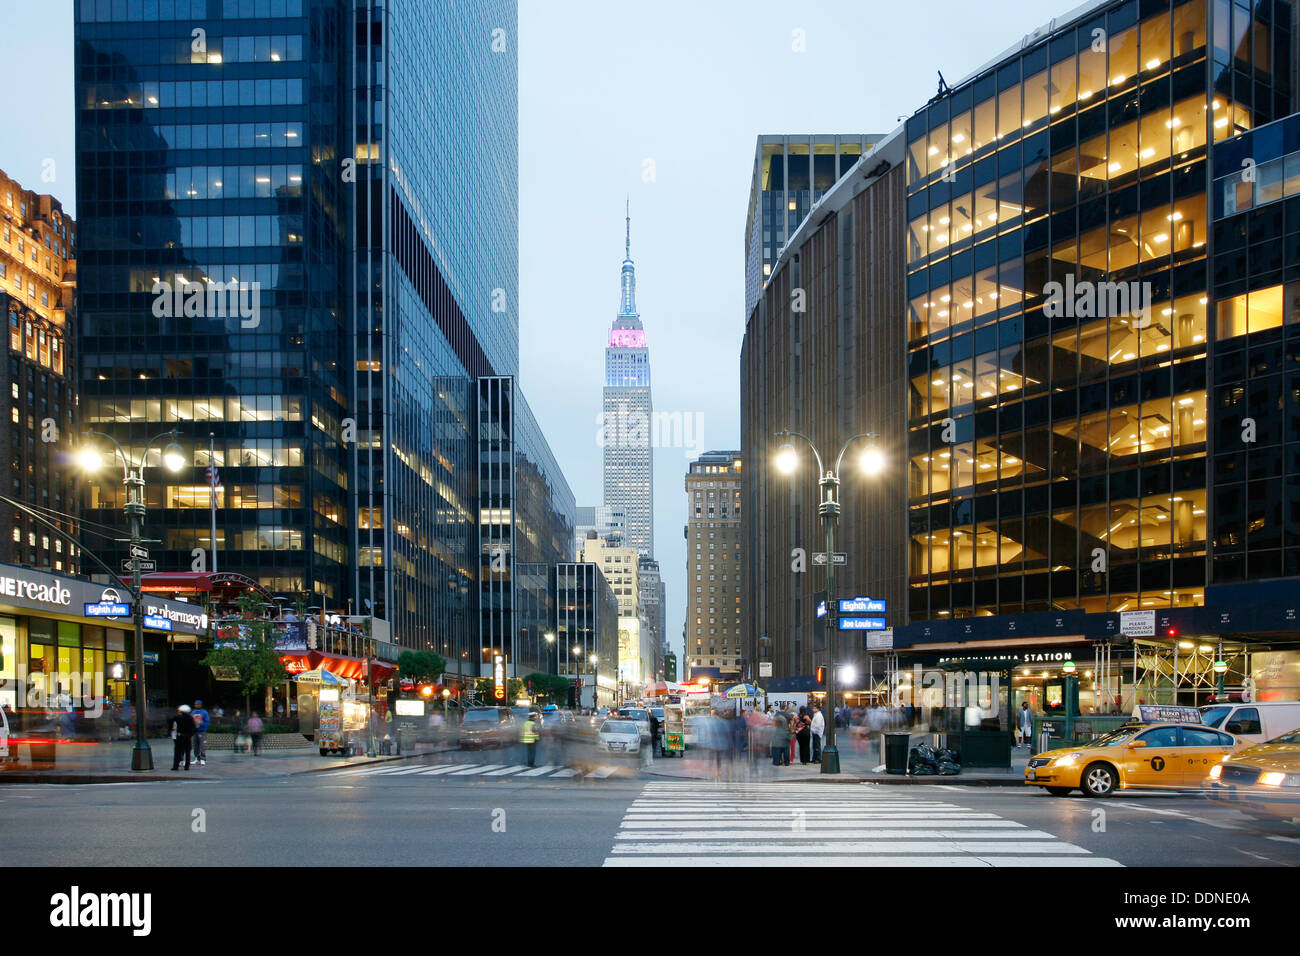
<point>212,495</point>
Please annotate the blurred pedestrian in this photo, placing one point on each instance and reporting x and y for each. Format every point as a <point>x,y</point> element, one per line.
<point>182,731</point>
<point>780,738</point>
<point>255,729</point>
<point>655,730</point>
<point>818,730</point>
<point>201,722</point>
<point>802,733</point>
<point>528,737</point>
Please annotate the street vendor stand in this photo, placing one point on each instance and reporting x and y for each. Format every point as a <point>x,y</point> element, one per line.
<point>673,739</point>
<point>321,707</point>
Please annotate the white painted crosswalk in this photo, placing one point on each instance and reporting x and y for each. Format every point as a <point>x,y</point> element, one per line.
<point>790,824</point>
<point>495,770</point>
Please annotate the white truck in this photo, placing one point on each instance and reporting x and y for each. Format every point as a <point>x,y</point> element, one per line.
<point>1253,722</point>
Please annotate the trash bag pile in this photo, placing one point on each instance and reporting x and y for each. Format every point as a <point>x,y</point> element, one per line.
<point>924,760</point>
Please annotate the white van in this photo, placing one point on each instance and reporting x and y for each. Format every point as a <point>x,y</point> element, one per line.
<point>1256,722</point>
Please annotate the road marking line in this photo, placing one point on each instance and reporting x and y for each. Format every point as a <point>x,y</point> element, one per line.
<point>475,769</point>
<point>812,861</point>
<point>814,824</point>
<point>448,768</point>
<point>567,772</point>
<point>419,769</point>
<point>854,834</point>
<point>1282,839</point>
<point>602,773</point>
<point>1181,814</point>
<point>507,771</point>
<point>866,848</point>
<point>540,770</point>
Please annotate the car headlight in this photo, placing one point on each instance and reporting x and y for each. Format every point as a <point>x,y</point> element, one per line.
<point>1068,759</point>
<point>1216,771</point>
<point>1276,778</point>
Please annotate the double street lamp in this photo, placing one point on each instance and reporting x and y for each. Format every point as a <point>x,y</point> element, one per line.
<point>173,458</point>
<point>872,463</point>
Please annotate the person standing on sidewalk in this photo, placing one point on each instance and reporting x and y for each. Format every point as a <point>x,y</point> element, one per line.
<point>255,729</point>
<point>803,733</point>
<point>201,722</point>
<point>1024,724</point>
<point>818,729</point>
<point>182,728</point>
<point>780,737</point>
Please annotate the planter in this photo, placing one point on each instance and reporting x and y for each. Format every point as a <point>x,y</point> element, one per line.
<point>269,742</point>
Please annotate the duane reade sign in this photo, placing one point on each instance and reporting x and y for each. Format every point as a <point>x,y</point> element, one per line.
<point>36,588</point>
<point>1137,623</point>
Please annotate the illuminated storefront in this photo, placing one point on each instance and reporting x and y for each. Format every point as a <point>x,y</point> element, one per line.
<point>54,655</point>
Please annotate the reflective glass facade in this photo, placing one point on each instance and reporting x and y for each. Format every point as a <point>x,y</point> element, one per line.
<point>1255,413</point>
<point>358,161</point>
<point>1057,281</point>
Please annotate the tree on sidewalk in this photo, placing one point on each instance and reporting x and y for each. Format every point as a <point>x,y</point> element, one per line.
<point>247,647</point>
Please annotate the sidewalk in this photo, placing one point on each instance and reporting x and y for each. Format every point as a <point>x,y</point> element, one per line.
<point>857,765</point>
<point>111,763</point>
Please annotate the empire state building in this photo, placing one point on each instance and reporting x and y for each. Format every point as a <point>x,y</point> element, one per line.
<point>629,457</point>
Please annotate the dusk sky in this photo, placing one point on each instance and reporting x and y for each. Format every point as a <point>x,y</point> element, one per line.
<point>658,102</point>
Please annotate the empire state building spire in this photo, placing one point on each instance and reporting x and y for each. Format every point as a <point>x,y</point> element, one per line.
<point>627,309</point>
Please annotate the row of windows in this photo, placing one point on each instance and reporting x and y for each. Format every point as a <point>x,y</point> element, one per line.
<point>149,11</point>
<point>234,182</point>
<point>192,94</point>
<point>246,408</point>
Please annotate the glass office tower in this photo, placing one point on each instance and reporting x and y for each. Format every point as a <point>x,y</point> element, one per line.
<point>1058,443</point>
<point>357,162</point>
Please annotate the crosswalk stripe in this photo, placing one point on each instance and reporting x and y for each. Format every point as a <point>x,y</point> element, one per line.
<point>805,836</point>
<point>602,773</point>
<point>567,772</point>
<point>475,769</point>
<point>449,768</point>
<point>399,773</point>
<point>901,861</point>
<point>540,770</point>
<point>989,820</point>
<point>507,770</point>
<point>861,846</point>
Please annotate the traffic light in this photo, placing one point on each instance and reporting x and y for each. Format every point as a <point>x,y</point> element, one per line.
<point>821,677</point>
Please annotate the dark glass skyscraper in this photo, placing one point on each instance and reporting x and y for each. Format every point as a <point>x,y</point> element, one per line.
<point>358,162</point>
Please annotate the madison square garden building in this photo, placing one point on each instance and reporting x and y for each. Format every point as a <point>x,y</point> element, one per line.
<point>1029,292</point>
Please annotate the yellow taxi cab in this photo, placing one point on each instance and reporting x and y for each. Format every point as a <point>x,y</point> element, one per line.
<point>1161,755</point>
<point>1262,781</point>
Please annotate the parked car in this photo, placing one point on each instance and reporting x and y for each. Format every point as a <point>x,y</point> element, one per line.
<point>1253,723</point>
<point>620,736</point>
<point>1261,781</point>
<point>483,727</point>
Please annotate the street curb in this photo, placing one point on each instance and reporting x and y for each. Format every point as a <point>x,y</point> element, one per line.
<point>157,776</point>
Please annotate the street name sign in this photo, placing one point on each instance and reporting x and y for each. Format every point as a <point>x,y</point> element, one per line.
<point>107,609</point>
<point>862,624</point>
<point>157,623</point>
<point>862,605</point>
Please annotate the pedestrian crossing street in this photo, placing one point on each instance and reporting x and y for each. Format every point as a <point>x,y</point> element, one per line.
<point>820,824</point>
<point>485,770</point>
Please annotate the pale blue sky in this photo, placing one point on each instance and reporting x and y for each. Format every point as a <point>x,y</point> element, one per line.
<point>603,87</point>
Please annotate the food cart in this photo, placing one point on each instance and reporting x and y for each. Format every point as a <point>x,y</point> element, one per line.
<point>673,740</point>
<point>321,694</point>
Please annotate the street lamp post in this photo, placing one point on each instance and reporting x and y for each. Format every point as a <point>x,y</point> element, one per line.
<point>829,509</point>
<point>551,671</point>
<point>173,457</point>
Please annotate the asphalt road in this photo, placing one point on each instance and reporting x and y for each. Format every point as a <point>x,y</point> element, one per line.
<point>431,813</point>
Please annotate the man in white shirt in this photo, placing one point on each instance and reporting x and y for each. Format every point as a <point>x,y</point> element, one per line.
<point>818,729</point>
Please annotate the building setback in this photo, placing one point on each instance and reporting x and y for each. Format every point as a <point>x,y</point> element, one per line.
<point>1070,333</point>
<point>38,278</point>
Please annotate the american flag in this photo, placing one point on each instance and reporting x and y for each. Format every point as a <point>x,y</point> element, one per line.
<point>214,477</point>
